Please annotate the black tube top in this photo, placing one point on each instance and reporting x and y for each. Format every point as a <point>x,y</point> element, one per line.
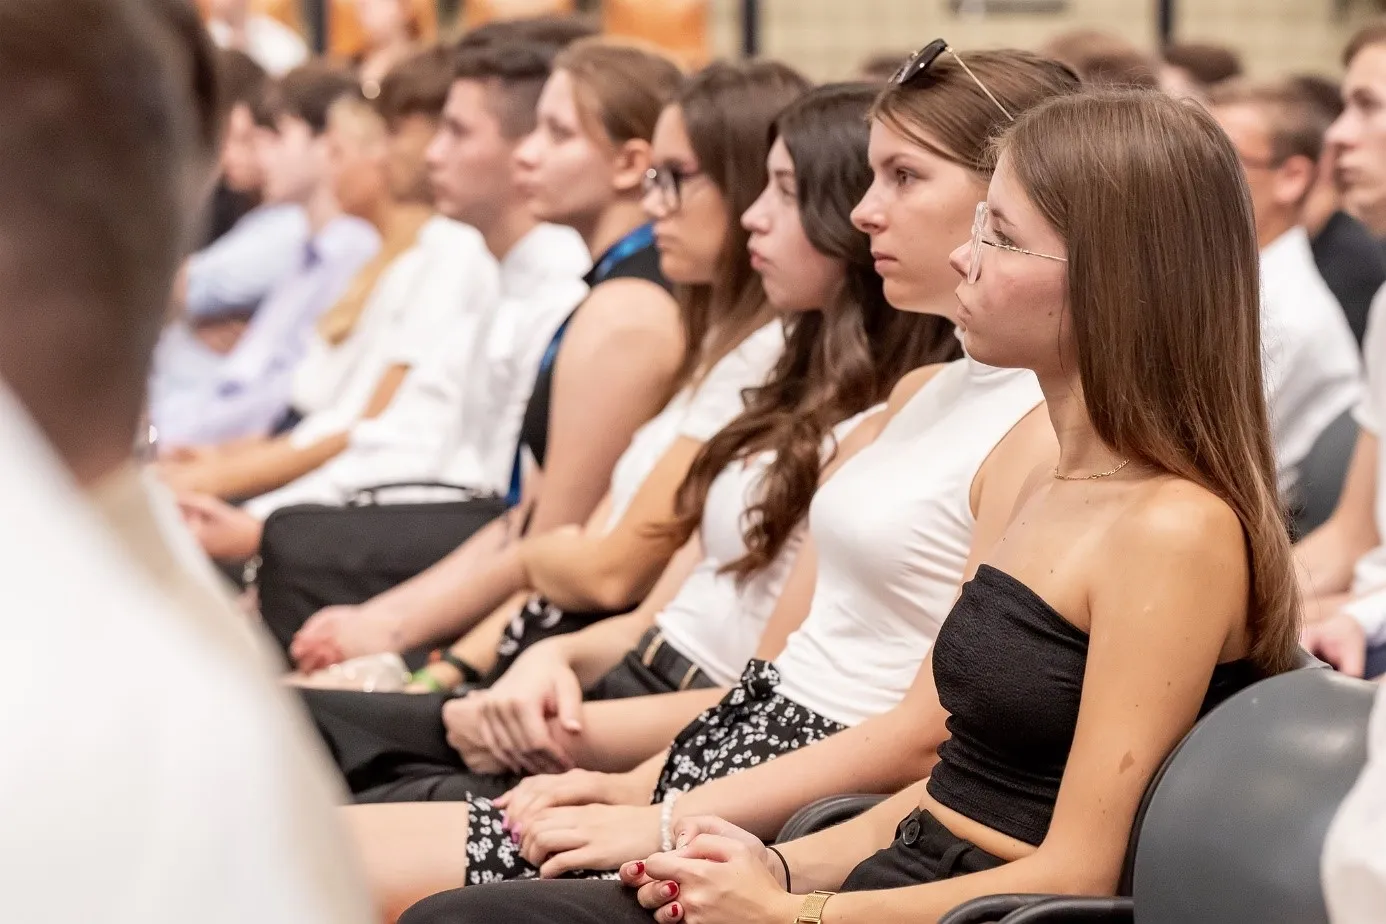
<point>1009,671</point>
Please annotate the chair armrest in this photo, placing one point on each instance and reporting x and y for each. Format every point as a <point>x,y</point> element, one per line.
<point>817,816</point>
<point>991,908</point>
<point>1066,909</point>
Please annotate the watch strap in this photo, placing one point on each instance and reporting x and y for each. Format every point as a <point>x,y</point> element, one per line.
<point>811,911</point>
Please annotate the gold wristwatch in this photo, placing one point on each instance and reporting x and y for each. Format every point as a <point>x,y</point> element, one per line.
<point>811,912</point>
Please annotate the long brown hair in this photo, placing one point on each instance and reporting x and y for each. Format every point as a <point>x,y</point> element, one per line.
<point>1164,292</point>
<point>728,110</point>
<point>838,361</point>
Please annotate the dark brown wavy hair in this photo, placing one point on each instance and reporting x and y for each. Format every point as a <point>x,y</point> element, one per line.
<point>839,361</point>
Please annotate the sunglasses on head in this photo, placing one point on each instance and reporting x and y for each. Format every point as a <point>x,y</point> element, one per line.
<point>924,58</point>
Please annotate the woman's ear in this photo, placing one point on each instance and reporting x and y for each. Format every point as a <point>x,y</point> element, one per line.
<point>631,161</point>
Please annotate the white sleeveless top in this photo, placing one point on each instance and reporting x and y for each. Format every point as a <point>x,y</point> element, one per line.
<point>697,412</point>
<point>715,620</point>
<point>893,529</point>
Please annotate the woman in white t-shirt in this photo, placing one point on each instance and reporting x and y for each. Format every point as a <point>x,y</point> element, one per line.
<point>564,578</point>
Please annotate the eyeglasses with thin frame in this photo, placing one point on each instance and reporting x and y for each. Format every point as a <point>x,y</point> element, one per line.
<point>668,180</point>
<point>923,59</point>
<point>974,266</point>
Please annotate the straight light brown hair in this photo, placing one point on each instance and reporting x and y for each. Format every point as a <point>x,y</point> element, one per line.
<point>728,110</point>
<point>620,89</point>
<point>1164,292</point>
<point>840,360</point>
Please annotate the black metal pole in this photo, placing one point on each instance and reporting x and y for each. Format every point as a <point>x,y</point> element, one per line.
<point>1165,21</point>
<point>750,28</point>
<point>318,19</point>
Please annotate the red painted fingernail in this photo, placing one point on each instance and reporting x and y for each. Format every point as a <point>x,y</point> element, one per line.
<point>675,910</point>
<point>671,889</point>
<point>639,868</point>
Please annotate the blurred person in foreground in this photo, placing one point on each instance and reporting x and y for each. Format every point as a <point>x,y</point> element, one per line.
<point>126,803</point>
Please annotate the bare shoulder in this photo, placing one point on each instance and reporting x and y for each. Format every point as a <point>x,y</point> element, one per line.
<point>909,386</point>
<point>626,314</point>
<point>1185,524</point>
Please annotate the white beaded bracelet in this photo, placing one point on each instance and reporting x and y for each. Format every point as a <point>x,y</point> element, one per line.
<point>666,821</point>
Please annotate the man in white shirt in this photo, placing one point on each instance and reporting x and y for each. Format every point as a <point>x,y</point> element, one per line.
<point>182,788</point>
<point>1312,369</point>
<point>457,417</point>
<point>273,45</point>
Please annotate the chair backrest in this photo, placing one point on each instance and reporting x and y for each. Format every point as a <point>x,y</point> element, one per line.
<point>1322,473</point>
<point>1234,826</point>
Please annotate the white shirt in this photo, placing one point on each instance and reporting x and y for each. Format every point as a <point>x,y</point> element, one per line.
<point>698,411</point>
<point>273,45</point>
<point>893,528</point>
<point>716,619</point>
<point>464,405</point>
<point>1354,859</point>
<point>448,281</point>
<point>175,785</point>
<point>1313,371</point>
<point>1369,576</point>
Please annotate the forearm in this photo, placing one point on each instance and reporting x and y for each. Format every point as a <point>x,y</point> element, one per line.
<point>824,860</point>
<point>479,646</point>
<point>619,734</point>
<point>596,650</point>
<point>445,601</point>
<point>595,573</point>
<point>1326,559</point>
<point>269,466</point>
<point>763,798</point>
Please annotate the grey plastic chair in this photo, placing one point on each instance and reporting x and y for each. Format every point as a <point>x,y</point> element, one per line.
<point>1233,825</point>
<point>1322,473</point>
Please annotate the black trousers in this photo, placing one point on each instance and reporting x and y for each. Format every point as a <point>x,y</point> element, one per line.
<point>392,747</point>
<point>923,851</point>
<point>314,556</point>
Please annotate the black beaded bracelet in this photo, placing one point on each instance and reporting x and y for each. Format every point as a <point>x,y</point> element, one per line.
<point>469,673</point>
<point>788,883</point>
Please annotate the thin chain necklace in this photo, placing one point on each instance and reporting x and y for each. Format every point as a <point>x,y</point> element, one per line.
<point>1093,477</point>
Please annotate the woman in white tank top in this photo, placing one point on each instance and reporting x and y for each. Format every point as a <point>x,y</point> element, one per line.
<point>894,533</point>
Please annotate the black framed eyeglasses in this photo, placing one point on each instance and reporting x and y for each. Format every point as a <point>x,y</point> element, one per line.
<point>668,180</point>
<point>924,58</point>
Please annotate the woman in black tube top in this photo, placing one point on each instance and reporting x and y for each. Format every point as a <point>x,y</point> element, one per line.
<point>1139,583</point>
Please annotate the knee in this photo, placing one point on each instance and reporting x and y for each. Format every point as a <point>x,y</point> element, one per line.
<point>460,906</point>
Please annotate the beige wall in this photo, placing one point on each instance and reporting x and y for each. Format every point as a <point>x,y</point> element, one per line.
<point>827,38</point>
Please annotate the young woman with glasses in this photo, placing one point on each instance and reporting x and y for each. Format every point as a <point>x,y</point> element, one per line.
<point>1140,581</point>
<point>892,535</point>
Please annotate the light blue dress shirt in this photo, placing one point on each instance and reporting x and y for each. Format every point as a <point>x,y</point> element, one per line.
<point>237,271</point>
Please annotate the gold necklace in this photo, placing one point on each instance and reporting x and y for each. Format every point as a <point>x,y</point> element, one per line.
<point>1124,463</point>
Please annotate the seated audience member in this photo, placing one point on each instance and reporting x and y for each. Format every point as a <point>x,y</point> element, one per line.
<point>273,45</point>
<point>1349,258</point>
<point>742,503</point>
<point>1343,562</point>
<point>1102,59</point>
<point>431,276</point>
<point>239,179</point>
<point>1354,865</point>
<point>390,33</point>
<point>1313,371</point>
<point>1358,137</point>
<point>221,285</point>
<point>561,579</point>
<point>246,392</point>
<point>147,807</point>
<point>1188,70</point>
<point>892,536</point>
<point>1066,674</point>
